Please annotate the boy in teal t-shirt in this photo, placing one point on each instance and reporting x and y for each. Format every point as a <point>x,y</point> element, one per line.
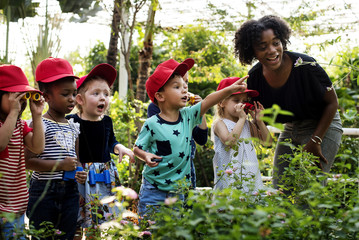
<point>164,141</point>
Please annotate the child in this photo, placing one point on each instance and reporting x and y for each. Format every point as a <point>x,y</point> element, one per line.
<point>14,136</point>
<point>96,142</point>
<point>232,126</point>
<point>200,132</point>
<point>164,140</point>
<point>52,199</point>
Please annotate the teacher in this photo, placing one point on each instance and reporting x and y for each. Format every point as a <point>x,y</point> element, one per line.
<point>295,82</point>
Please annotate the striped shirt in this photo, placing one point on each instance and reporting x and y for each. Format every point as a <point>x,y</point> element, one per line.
<point>60,141</point>
<point>13,189</point>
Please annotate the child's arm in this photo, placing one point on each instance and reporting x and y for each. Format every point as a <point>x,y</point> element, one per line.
<point>215,97</point>
<point>146,156</point>
<point>230,138</point>
<point>8,127</point>
<point>260,129</point>
<point>35,140</point>
<point>43,165</point>
<point>122,150</point>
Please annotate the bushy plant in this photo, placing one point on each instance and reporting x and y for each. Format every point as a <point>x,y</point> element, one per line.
<point>311,211</point>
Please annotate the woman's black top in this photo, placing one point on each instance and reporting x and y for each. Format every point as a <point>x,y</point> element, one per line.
<point>302,94</point>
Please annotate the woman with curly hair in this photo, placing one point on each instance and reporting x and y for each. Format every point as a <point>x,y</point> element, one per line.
<point>295,82</point>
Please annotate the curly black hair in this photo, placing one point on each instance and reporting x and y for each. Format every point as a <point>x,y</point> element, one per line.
<point>250,33</point>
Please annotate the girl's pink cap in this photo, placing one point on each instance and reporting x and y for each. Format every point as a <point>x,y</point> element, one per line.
<point>230,80</point>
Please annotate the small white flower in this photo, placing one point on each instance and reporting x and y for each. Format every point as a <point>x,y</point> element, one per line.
<point>298,62</point>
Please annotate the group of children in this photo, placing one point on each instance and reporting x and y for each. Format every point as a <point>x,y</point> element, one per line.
<point>58,142</point>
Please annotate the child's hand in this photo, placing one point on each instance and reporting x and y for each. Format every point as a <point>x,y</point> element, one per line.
<point>240,85</point>
<point>15,101</point>
<point>193,99</point>
<point>257,113</point>
<point>122,150</point>
<point>239,109</point>
<point>151,160</point>
<point>68,164</point>
<point>81,176</point>
<point>36,107</point>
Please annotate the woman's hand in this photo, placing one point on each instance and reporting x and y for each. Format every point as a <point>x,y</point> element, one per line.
<point>316,150</point>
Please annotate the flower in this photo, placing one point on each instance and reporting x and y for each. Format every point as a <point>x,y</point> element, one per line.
<point>255,193</point>
<point>124,222</point>
<point>337,176</point>
<point>58,232</point>
<point>148,233</point>
<point>170,200</point>
<point>298,62</point>
<point>151,222</point>
<point>107,200</point>
<point>229,171</point>
<point>128,192</point>
<point>14,234</point>
<point>108,215</point>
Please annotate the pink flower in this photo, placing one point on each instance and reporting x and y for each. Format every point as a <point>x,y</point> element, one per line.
<point>124,222</point>
<point>128,192</point>
<point>255,193</point>
<point>170,200</point>
<point>337,176</point>
<point>14,234</point>
<point>151,222</point>
<point>145,233</point>
<point>108,215</point>
<point>281,215</point>
<point>229,171</point>
<point>58,232</point>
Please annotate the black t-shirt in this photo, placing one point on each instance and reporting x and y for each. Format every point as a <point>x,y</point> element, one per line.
<point>302,94</point>
<point>96,139</point>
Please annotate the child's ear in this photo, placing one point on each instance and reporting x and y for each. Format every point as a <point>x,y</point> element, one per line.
<point>159,96</point>
<point>79,99</point>
<point>46,96</point>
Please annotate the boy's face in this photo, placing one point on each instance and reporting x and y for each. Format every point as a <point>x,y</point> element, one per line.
<point>95,99</point>
<point>61,97</point>
<point>174,93</point>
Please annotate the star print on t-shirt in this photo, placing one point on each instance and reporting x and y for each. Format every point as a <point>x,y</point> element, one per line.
<point>171,142</point>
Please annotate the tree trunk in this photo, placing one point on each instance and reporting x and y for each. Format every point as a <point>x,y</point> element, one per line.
<point>145,59</point>
<point>145,55</point>
<point>112,48</point>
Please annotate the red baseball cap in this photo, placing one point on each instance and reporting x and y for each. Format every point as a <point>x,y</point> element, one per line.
<point>13,79</point>
<point>230,80</point>
<point>163,72</point>
<point>52,69</point>
<point>103,70</point>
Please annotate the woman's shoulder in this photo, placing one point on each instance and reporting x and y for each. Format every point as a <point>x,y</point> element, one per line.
<point>295,56</point>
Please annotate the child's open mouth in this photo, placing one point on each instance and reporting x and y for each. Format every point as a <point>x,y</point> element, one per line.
<point>101,106</point>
